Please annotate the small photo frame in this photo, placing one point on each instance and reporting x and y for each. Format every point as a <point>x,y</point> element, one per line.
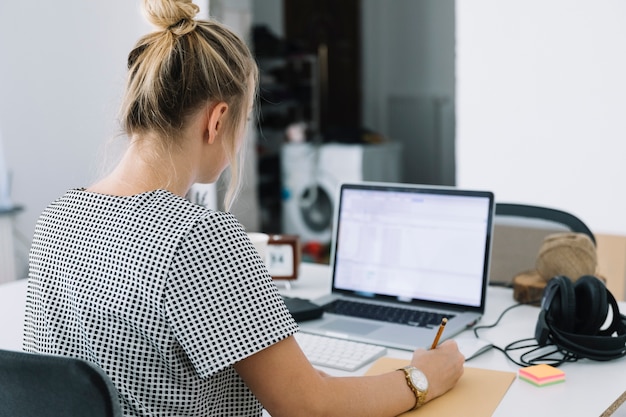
<point>283,256</point>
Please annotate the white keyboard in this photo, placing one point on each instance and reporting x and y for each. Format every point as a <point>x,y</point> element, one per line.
<point>331,352</point>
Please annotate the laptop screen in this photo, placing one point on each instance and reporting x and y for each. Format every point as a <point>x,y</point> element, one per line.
<point>413,243</point>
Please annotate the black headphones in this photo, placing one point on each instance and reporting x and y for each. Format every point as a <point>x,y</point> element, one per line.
<point>573,315</point>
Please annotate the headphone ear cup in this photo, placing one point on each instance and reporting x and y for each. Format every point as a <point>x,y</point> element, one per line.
<point>542,331</point>
<point>556,306</point>
<point>572,316</point>
<point>561,312</point>
<point>591,305</point>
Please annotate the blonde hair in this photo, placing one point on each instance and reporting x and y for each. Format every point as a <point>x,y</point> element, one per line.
<point>183,65</point>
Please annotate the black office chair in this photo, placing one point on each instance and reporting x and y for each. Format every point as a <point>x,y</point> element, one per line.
<point>33,385</point>
<point>518,233</point>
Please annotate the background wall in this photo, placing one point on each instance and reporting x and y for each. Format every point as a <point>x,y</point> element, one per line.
<point>62,73</point>
<point>541,104</point>
<point>540,93</point>
<point>409,84</point>
<point>269,13</point>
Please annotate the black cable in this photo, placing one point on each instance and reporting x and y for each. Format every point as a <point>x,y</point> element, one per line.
<point>489,326</point>
<point>535,354</point>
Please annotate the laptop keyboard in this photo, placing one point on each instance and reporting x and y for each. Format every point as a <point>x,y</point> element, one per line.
<point>391,314</point>
<point>346,355</point>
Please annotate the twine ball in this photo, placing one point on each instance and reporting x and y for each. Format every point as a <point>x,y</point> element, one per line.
<point>569,254</point>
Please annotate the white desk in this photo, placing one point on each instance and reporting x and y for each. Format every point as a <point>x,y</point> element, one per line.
<point>589,389</point>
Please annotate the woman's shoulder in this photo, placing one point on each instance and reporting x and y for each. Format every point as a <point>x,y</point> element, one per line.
<point>189,215</point>
<point>157,206</point>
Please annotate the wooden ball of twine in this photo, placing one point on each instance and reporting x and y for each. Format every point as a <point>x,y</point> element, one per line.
<point>570,254</point>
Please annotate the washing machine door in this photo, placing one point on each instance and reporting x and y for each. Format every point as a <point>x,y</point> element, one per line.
<point>309,210</point>
<point>316,208</point>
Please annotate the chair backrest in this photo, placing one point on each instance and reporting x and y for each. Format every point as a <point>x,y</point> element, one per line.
<point>45,385</point>
<point>518,234</point>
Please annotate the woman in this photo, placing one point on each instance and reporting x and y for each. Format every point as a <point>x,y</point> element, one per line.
<point>170,298</point>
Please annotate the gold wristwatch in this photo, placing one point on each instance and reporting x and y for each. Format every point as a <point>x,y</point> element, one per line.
<point>417,381</point>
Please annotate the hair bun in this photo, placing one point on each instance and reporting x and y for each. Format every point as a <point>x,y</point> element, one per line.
<point>176,15</point>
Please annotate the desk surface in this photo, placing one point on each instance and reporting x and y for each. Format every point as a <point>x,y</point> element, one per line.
<point>590,386</point>
<point>589,389</point>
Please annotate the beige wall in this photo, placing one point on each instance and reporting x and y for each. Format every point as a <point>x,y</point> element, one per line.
<point>612,263</point>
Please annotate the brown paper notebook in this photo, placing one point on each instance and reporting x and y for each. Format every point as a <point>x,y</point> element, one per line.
<point>477,394</point>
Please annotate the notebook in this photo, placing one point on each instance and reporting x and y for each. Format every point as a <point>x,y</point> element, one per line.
<point>413,253</point>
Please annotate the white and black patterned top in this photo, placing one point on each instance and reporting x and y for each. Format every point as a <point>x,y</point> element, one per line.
<point>163,294</point>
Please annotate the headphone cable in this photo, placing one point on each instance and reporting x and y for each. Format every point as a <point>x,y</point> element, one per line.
<point>544,357</point>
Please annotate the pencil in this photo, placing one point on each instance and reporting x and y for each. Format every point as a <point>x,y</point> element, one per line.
<point>615,406</point>
<point>441,327</point>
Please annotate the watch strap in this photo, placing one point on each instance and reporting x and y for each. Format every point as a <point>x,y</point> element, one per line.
<point>420,396</point>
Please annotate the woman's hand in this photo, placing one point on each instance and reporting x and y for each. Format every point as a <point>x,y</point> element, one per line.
<point>443,366</point>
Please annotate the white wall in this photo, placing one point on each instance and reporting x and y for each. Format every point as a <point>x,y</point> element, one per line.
<point>62,70</point>
<point>62,74</point>
<point>541,104</point>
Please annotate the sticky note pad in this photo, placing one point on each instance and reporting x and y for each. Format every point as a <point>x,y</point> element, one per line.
<point>542,375</point>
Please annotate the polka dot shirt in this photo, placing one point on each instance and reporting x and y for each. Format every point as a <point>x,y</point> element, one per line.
<point>163,294</point>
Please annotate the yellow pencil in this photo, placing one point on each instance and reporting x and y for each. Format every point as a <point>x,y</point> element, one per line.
<point>441,327</point>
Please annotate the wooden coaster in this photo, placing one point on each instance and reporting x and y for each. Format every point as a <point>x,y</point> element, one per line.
<point>528,288</point>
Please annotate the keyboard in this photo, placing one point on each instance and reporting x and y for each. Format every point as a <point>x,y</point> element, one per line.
<point>346,355</point>
<point>418,318</point>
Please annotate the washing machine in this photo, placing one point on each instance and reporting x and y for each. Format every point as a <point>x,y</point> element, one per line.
<point>311,175</point>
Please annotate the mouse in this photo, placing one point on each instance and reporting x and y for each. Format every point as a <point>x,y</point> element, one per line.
<point>471,347</point>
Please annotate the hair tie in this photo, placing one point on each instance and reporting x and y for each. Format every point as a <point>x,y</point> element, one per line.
<point>183,26</point>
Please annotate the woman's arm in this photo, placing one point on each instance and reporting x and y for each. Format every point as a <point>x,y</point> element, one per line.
<point>286,383</point>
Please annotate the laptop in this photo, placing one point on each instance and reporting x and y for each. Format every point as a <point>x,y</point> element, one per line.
<point>411,253</point>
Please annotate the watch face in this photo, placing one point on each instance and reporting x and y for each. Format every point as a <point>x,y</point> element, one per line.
<point>419,380</point>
